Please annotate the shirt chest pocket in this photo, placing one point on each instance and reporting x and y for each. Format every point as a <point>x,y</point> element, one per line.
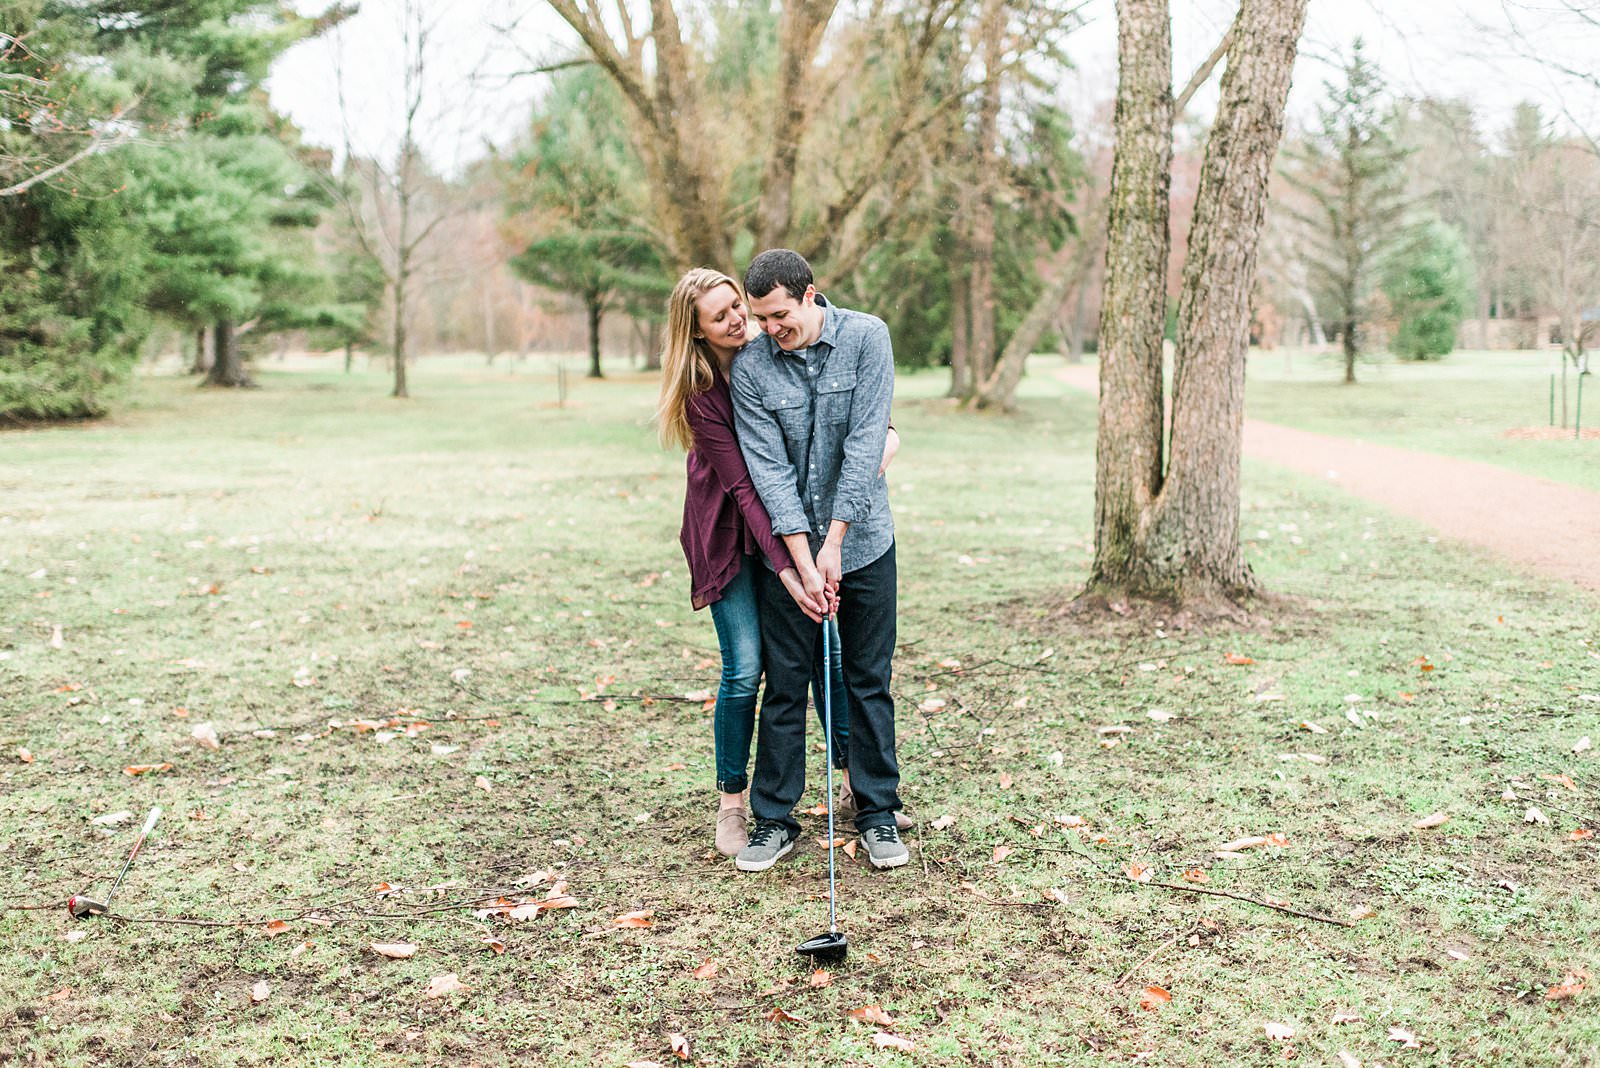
<point>834,393</point>
<point>790,409</point>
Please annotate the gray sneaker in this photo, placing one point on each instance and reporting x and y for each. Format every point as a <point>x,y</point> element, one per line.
<point>884,848</point>
<point>769,841</point>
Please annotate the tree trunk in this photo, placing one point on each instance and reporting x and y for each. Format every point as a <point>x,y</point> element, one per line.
<point>1195,533</point>
<point>960,337</point>
<point>401,283</point>
<point>991,29</point>
<point>349,356</point>
<point>1128,460</point>
<point>1347,338</point>
<point>999,390</point>
<point>227,369</point>
<point>201,363</point>
<point>488,327</point>
<point>800,29</point>
<point>1177,537</point>
<point>597,310</point>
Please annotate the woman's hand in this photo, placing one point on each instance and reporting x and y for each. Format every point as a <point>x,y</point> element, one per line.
<point>891,445</point>
<point>791,582</point>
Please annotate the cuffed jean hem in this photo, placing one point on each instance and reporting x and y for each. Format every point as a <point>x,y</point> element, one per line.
<point>734,786</point>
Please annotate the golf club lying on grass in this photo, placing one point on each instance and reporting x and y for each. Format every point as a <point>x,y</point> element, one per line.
<point>830,946</point>
<point>80,905</point>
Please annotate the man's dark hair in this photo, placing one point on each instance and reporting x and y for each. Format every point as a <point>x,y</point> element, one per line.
<point>778,267</point>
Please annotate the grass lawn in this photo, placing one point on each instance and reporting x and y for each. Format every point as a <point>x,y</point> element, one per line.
<point>445,645</point>
<point>1463,405</point>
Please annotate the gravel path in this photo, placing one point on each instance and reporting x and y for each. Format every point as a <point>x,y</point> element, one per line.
<point>1547,526</point>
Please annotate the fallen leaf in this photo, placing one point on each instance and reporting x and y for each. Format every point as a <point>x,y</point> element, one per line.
<point>1314,728</point>
<point>1580,834</point>
<point>1195,875</point>
<point>1159,715</point>
<point>206,735</point>
<point>1344,1018</point>
<point>111,819</point>
<point>1058,895</point>
<point>826,843</point>
<point>1438,819</point>
<point>706,970</point>
<point>1561,780</point>
<point>884,1040</point>
<point>872,1014</point>
<point>441,985</point>
<point>60,995</point>
<point>1533,815</point>
<point>820,978</point>
<point>943,823</point>
<point>24,756</point>
<point>679,1044</point>
<point>1241,661</point>
<point>301,948</point>
<point>260,991</point>
<point>1071,822</point>
<point>1005,780</point>
<point>1582,744</point>
<point>1153,998</point>
<point>493,944</point>
<point>777,1015</point>
<point>483,784</point>
<point>145,769</point>
<point>931,704</point>
<point>1571,986</point>
<point>1001,852</point>
<point>850,848</point>
<point>1277,841</point>
<point>275,928</point>
<point>1279,1031</point>
<point>77,934</point>
<point>1139,873</point>
<point>1363,912</point>
<point>1242,843</point>
<point>819,809</point>
<point>395,950</point>
<point>640,918</point>
<point>677,767</point>
<point>1406,1039</point>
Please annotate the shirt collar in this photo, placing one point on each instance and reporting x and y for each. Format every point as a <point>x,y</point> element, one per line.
<point>830,324</point>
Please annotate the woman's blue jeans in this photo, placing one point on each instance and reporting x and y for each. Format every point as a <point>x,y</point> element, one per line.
<point>738,621</point>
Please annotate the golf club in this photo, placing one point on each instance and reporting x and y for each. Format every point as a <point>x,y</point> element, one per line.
<point>830,946</point>
<point>80,905</point>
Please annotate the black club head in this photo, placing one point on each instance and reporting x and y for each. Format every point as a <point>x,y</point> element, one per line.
<point>830,947</point>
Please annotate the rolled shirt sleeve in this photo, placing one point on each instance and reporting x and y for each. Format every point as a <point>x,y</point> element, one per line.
<point>766,457</point>
<point>869,426</point>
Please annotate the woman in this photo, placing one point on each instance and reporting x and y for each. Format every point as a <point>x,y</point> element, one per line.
<point>725,525</point>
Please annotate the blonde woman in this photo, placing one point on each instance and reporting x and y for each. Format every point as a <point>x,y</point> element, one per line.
<point>726,531</point>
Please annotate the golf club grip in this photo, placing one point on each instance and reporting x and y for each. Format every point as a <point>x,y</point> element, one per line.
<point>150,820</point>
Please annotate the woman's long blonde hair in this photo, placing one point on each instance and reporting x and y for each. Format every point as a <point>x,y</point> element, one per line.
<point>686,362</point>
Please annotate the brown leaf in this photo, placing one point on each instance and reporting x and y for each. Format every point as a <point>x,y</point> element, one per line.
<point>1277,841</point>
<point>441,985</point>
<point>206,735</point>
<point>706,970</point>
<point>820,978</point>
<point>1001,852</point>
<point>1196,875</point>
<point>1139,873</point>
<point>275,928</point>
<point>1571,986</point>
<point>483,784</point>
<point>301,948</point>
<point>60,995</point>
<point>1153,998</point>
<point>850,848</point>
<point>1005,780</point>
<point>1279,1031</point>
<point>943,823</point>
<point>1561,780</point>
<point>1437,819</point>
<point>1241,661</point>
<point>1058,895</point>
<point>827,844</point>
<point>884,1040</point>
<point>1071,822</point>
<point>1345,1017</point>
<point>777,1015</point>
<point>145,769</point>
<point>1242,843</point>
<point>493,944</point>
<point>394,950</point>
<point>260,992</point>
<point>1580,834</point>
<point>24,756</point>
<point>640,918</point>
<point>679,1044</point>
<point>818,809</point>
<point>1406,1039</point>
<point>872,1014</point>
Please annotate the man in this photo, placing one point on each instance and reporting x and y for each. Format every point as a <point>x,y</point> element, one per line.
<point>811,402</point>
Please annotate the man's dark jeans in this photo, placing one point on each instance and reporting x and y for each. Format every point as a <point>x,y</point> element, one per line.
<point>789,642</point>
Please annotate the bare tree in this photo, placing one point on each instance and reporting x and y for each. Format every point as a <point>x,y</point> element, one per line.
<point>1167,526</point>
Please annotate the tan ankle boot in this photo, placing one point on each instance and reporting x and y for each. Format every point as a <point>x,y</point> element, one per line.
<point>845,812</point>
<point>733,830</point>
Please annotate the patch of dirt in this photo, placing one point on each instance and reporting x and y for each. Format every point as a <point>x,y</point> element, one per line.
<point>1549,433</point>
<point>1530,521</point>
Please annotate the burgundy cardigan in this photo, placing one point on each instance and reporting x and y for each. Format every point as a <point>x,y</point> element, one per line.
<point>723,518</point>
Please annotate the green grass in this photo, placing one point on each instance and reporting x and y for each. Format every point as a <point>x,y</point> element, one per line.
<point>300,557</point>
<point>1461,406</point>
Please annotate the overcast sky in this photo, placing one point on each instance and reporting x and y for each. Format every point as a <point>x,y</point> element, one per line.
<point>1444,47</point>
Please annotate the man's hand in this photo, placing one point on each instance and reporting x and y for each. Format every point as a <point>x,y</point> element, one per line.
<point>831,567</point>
<point>811,605</point>
<point>891,445</point>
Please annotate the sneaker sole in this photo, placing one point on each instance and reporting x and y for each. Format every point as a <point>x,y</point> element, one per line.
<point>763,865</point>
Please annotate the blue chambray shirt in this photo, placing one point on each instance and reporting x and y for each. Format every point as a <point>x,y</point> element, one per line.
<point>812,425</point>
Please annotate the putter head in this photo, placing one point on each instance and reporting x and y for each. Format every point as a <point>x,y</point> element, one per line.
<point>79,906</point>
<point>829,947</point>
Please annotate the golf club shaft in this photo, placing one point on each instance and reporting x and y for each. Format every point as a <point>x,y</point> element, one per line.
<point>827,749</point>
<point>149,825</point>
